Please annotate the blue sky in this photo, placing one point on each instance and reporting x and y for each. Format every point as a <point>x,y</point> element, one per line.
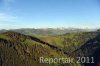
<point>49,13</point>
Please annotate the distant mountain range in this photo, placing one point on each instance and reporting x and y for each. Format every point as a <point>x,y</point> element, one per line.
<point>48,31</point>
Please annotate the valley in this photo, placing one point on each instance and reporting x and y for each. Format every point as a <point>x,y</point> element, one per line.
<point>17,49</point>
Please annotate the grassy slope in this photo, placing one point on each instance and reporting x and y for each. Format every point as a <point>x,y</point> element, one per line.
<point>20,50</point>
<point>14,45</point>
<point>70,41</point>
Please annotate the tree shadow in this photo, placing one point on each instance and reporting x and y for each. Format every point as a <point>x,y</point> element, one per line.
<point>90,49</point>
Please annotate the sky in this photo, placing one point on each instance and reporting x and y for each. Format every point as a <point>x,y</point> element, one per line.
<point>16,14</point>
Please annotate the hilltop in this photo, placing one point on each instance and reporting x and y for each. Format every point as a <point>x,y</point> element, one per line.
<point>21,50</point>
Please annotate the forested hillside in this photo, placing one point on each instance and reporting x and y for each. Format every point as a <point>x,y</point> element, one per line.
<point>17,49</point>
<point>20,50</point>
<point>69,42</point>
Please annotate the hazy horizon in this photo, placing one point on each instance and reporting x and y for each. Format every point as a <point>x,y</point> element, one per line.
<point>53,28</point>
<point>16,14</point>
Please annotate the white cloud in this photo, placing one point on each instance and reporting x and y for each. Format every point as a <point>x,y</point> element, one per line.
<point>88,27</point>
<point>7,17</point>
<point>8,21</point>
